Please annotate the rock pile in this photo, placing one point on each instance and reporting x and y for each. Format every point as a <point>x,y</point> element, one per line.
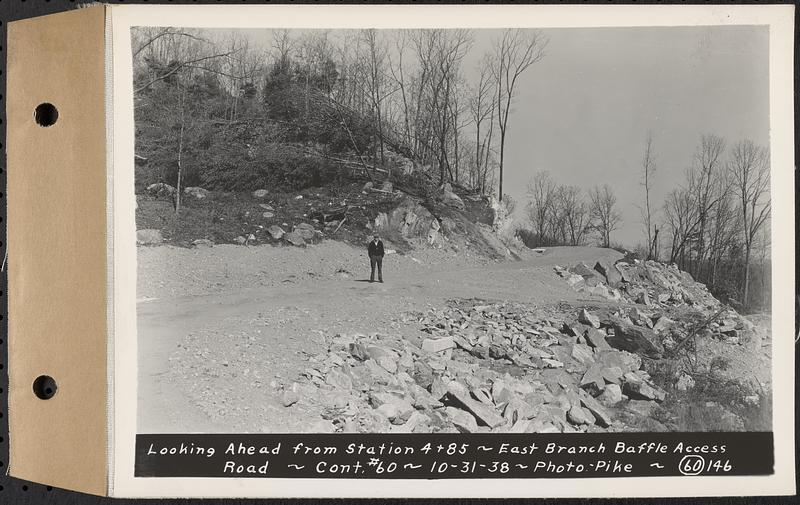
<point>482,367</point>
<point>664,291</point>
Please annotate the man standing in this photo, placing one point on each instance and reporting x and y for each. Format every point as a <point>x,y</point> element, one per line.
<point>375,251</point>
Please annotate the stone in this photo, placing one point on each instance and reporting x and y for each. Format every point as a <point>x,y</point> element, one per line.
<point>338,379</point>
<point>438,388</point>
<point>276,232</point>
<point>196,192</point>
<point>381,221</point>
<point>358,351</point>
<point>323,426</point>
<point>260,193</point>
<point>684,383</point>
<point>417,423</point>
<point>598,411</point>
<point>663,324</point>
<point>576,282</point>
<point>305,231</point>
<point>149,237</point>
<point>643,299</point>
<point>589,275</point>
<point>294,239</point>
<point>397,410</point>
<point>423,374</point>
<point>610,272</point>
<point>643,408</point>
<point>578,415</point>
<point>367,186</point>
<point>521,426</point>
<point>611,394</point>
<point>597,339</point>
<point>626,361</point>
<point>289,398</point>
<point>202,242</point>
<point>483,395</point>
<point>582,354</point>
<point>160,189</point>
<point>388,363</point>
<point>483,413</point>
<point>266,207</point>
<point>635,339</point>
<point>268,215</point>
<point>240,240</point>
<point>438,345</point>
<point>574,329</point>
<point>452,200</point>
<point>637,388</point>
<point>387,186</point>
<point>463,421</point>
<point>500,393</point>
<point>612,375</point>
<point>593,380</point>
<point>586,318</point>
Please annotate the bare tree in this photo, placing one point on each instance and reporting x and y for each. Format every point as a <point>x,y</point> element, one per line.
<point>749,169</point>
<point>515,52</point>
<point>376,76</point>
<point>648,173</point>
<point>605,218</point>
<point>541,196</point>
<point>575,212</point>
<point>482,107</point>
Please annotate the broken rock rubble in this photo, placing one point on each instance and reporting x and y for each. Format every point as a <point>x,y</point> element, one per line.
<point>480,367</point>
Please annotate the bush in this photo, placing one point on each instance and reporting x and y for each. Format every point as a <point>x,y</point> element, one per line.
<point>272,165</point>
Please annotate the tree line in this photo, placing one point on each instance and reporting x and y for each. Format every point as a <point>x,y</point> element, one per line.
<point>214,109</point>
<point>714,224</point>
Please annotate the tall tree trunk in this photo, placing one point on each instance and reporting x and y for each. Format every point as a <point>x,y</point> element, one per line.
<point>502,149</point>
<point>181,100</point>
<point>745,292</point>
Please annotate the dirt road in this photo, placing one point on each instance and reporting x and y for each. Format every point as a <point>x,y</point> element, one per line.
<point>217,361</point>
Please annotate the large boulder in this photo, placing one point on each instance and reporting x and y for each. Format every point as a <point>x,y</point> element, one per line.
<point>590,276</point>
<point>410,219</point>
<point>149,237</point>
<point>452,200</point>
<point>381,221</point>
<point>635,339</point>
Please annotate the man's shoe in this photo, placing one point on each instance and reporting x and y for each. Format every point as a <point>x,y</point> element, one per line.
<point>381,281</point>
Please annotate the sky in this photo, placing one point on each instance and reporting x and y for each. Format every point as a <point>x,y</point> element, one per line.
<point>584,111</point>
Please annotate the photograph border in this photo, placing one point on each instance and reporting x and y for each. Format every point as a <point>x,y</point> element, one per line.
<point>122,249</point>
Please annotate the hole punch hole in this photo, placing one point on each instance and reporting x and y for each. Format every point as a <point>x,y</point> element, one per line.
<point>45,114</point>
<point>45,387</point>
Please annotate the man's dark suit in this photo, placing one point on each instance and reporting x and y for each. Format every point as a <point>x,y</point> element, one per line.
<point>375,251</point>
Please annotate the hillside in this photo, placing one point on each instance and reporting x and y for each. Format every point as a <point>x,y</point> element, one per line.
<point>349,212</point>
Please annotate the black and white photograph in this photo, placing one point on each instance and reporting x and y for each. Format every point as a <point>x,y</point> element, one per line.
<point>505,230</point>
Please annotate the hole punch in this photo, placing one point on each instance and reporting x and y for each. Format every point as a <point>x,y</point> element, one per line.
<point>45,114</point>
<point>45,387</point>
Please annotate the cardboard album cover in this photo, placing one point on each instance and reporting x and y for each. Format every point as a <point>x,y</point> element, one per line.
<point>402,251</point>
